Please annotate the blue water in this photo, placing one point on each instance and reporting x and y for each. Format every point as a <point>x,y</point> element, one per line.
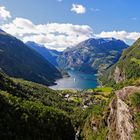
<point>77,80</point>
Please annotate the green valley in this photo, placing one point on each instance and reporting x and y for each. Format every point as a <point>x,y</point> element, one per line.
<point>69,70</point>
<point>32,111</point>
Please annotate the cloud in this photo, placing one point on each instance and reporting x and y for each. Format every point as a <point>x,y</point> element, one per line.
<point>4,14</point>
<point>59,0</point>
<point>52,35</point>
<point>123,35</point>
<point>60,36</point>
<point>55,35</point>
<point>79,9</point>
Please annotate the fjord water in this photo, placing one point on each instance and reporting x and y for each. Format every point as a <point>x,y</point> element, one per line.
<point>77,80</point>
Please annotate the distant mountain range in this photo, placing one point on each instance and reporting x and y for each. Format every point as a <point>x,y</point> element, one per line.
<point>35,62</point>
<point>32,111</point>
<point>50,55</point>
<point>18,60</point>
<point>92,55</point>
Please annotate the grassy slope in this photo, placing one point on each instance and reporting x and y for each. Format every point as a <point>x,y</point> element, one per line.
<point>95,124</point>
<point>32,111</point>
<point>129,64</point>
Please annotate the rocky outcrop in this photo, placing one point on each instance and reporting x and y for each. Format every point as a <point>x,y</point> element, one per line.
<point>120,121</point>
<point>112,120</point>
<point>118,75</point>
<point>126,68</point>
<point>124,125</point>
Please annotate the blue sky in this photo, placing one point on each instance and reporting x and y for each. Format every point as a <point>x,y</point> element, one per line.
<point>106,18</point>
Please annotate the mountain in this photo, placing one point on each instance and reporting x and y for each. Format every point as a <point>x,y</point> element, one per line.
<point>92,55</point>
<point>1,31</point>
<point>18,60</point>
<point>32,111</point>
<point>49,55</point>
<point>127,68</point>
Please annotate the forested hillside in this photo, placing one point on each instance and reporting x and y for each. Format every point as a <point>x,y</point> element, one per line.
<point>18,60</point>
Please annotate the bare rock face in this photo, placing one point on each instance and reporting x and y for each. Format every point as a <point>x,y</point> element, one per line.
<point>120,122</point>
<point>93,54</point>
<point>124,126</point>
<point>112,120</point>
<point>118,75</point>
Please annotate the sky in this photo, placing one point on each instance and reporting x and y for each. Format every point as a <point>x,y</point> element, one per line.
<point>59,24</point>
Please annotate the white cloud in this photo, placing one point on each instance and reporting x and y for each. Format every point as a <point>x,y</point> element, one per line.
<point>79,9</point>
<point>53,35</point>
<point>4,14</point>
<point>60,36</point>
<point>123,35</point>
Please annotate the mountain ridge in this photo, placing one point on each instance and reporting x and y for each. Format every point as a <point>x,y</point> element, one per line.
<point>18,60</point>
<point>95,54</point>
<point>127,67</point>
<point>49,55</point>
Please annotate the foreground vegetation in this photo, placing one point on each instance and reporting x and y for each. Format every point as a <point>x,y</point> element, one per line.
<point>128,67</point>
<point>133,100</point>
<point>32,111</point>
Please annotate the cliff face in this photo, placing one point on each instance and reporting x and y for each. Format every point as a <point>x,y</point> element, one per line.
<point>121,122</point>
<point>128,66</point>
<point>92,54</point>
<point>96,114</point>
<point>118,75</point>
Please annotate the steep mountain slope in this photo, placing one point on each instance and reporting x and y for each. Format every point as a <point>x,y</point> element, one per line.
<point>92,54</point>
<point>124,120</point>
<point>1,31</point>
<point>32,111</point>
<point>18,60</point>
<point>50,55</point>
<point>128,66</point>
